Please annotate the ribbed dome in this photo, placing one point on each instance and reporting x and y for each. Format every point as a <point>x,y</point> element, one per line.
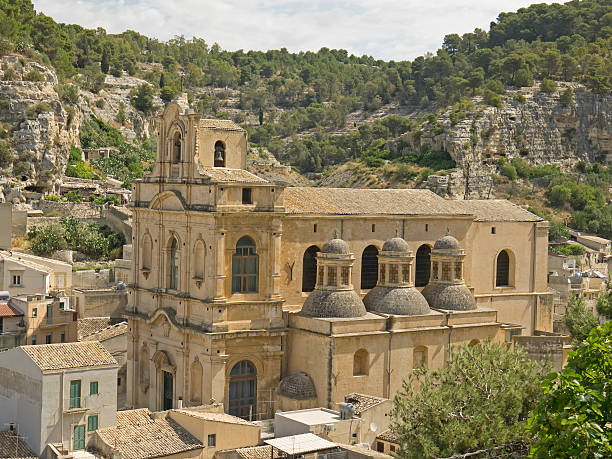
<point>298,386</point>
<point>449,296</point>
<point>336,246</point>
<point>395,244</point>
<point>333,303</point>
<point>447,242</point>
<point>405,301</point>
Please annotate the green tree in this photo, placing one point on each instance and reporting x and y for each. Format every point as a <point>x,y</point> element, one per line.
<point>45,240</point>
<point>142,99</point>
<point>573,418</point>
<point>524,78</point>
<point>509,171</point>
<point>548,85</point>
<point>558,231</point>
<point>559,195</point>
<point>604,302</point>
<point>480,399</point>
<point>168,93</point>
<point>579,319</point>
<point>567,97</point>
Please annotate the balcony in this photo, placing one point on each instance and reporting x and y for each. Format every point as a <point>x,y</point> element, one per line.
<point>75,404</point>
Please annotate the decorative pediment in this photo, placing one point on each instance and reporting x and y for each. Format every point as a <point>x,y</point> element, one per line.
<point>162,360</point>
<point>168,200</point>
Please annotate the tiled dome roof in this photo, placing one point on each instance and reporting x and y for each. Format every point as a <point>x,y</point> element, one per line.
<point>447,242</point>
<point>395,244</point>
<point>405,301</point>
<point>298,386</point>
<point>331,303</point>
<point>336,246</point>
<point>449,296</point>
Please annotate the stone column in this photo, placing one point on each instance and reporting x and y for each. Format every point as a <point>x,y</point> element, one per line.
<point>220,268</point>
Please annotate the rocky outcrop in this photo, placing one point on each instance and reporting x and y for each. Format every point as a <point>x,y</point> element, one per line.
<point>40,128</point>
<point>538,129</point>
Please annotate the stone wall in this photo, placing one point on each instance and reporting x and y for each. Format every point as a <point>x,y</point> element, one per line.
<point>119,219</point>
<point>543,348</point>
<point>71,209</point>
<point>89,278</point>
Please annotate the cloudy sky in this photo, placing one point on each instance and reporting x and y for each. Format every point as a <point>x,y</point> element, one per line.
<point>385,29</point>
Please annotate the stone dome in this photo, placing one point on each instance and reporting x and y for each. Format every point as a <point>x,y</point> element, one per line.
<point>298,386</point>
<point>449,296</point>
<point>395,244</point>
<point>333,303</point>
<point>336,246</point>
<point>404,301</point>
<point>447,242</point>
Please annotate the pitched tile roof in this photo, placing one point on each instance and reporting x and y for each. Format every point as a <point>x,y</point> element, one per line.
<point>8,441</point>
<point>8,310</point>
<point>155,437</point>
<point>353,201</point>
<point>495,210</point>
<point>108,332</point>
<point>362,402</point>
<point>69,355</point>
<point>255,452</point>
<point>91,325</point>
<point>388,435</point>
<point>225,125</point>
<point>227,175</point>
<point>218,417</point>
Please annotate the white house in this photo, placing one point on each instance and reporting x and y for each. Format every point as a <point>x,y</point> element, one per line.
<point>58,393</point>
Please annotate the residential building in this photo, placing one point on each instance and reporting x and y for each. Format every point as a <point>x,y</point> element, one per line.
<point>58,393</point>
<point>12,324</point>
<point>12,445</point>
<point>25,274</point>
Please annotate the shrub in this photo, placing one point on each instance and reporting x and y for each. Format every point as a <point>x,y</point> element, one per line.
<point>68,93</point>
<point>9,74</point>
<point>523,78</point>
<point>509,171</point>
<point>100,103</point>
<point>559,195</point>
<point>73,196</point>
<point>34,75</point>
<point>548,85</point>
<point>47,239</point>
<point>567,97</point>
<point>34,110</point>
<point>492,99</point>
<point>52,197</point>
<point>495,86</point>
<point>6,158</point>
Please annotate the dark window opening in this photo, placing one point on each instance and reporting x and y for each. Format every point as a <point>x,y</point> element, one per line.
<point>369,267</point>
<point>247,196</point>
<point>243,390</point>
<point>314,228</point>
<point>309,268</point>
<point>502,275</point>
<point>423,266</point>
<point>245,265</point>
<point>177,146</point>
<point>373,227</point>
<point>219,154</point>
<point>492,230</point>
<point>168,390</point>
<point>212,440</point>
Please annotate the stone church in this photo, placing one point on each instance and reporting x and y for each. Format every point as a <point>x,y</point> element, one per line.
<point>266,297</point>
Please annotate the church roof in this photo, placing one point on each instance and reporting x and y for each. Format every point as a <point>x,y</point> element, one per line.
<point>330,303</point>
<point>495,210</point>
<point>227,175</point>
<point>225,125</point>
<point>396,244</point>
<point>404,301</point>
<point>447,242</point>
<point>298,386</point>
<point>337,246</point>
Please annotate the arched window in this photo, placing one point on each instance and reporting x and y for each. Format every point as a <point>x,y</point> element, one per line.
<point>361,363</point>
<point>196,382</point>
<point>173,264</point>
<point>177,147</point>
<point>502,273</point>
<point>309,268</point>
<point>219,154</point>
<point>243,390</point>
<point>422,266</point>
<point>369,267</point>
<point>245,265</point>
<point>419,357</point>
<point>147,252</point>
<point>198,261</point>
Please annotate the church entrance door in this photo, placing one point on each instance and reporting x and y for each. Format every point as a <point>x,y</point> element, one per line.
<point>168,391</point>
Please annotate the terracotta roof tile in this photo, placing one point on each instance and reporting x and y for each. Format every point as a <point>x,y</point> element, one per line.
<point>147,438</point>
<point>225,125</point>
<point>108,332</point>
<point>8,441</point>
<point>91,325</point>
<point>255,452</point>
<point>495,210</point>
<point>388,435</point>
<point>227,175</point>
<point>363,402</point>
<point>69,355</point>
<point>8,310</point>
<point>218,417</point>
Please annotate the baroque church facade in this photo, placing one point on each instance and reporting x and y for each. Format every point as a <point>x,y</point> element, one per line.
<point>266,297</point>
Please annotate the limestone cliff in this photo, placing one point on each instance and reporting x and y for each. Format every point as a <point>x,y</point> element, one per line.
<point>538,129</point>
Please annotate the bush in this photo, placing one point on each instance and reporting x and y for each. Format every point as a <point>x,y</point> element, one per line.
<point>9,74</point>
<point>495,86</point>
<point>6,158</point>
<point>34,110</point>
<point>47,239</point>
<point>523,78</point>
<point>52,197</point>
<point>68,93</point>
<point>73,196</point>
<point>558,231</point>
<point>559,195</point>
<point>509,171</point>
<point>579,319</point>
<point>492,99</point>
<point>100,103</point>
<point>34,75</point>
<point>548,85</point>
<point>404,173</point>
<point>567,97</point>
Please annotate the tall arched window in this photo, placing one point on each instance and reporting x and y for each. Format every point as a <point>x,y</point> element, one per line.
<point>361,363</point>
<point>422,266</point>
<point>369,267</point>
<point>196,382</point>
<point>198,261</point>
<point>177,147</point>
<point>147,252</point>
<point>243,390</point>
<point>502,273</point>
<point>173,264</point>
<point>245,265</point>
<point>219,154</point>
<point>309,268</point>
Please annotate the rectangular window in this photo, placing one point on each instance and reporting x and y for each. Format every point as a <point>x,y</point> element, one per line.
<point>382,273</point>
<point>92,423</point>
<point>48,338</point>
<point>426,227</point>
<point>393,274</point>
<point>33,340</point>
<point>247,196</point>
<point>345,275</point>
<point>321,275</point>
<point>493,230</point>
<point>34,312</point>
<point>373,227</point>
<point>380,447</point>
<point>331,276</point>
<point>49,313</point>
<point>212,440</point>
<point>16,280</point>
<point>93,388</point>
<point>75,393</point>
<point>314,228</point>
<point>405,274</point>
<point>446,271</point>
<point>62,337</point>
<point>78,438</point>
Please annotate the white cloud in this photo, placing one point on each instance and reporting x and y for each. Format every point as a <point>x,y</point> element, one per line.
<point>385,29</point>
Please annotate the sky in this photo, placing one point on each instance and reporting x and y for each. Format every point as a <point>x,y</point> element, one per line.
<point>385,29</point>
